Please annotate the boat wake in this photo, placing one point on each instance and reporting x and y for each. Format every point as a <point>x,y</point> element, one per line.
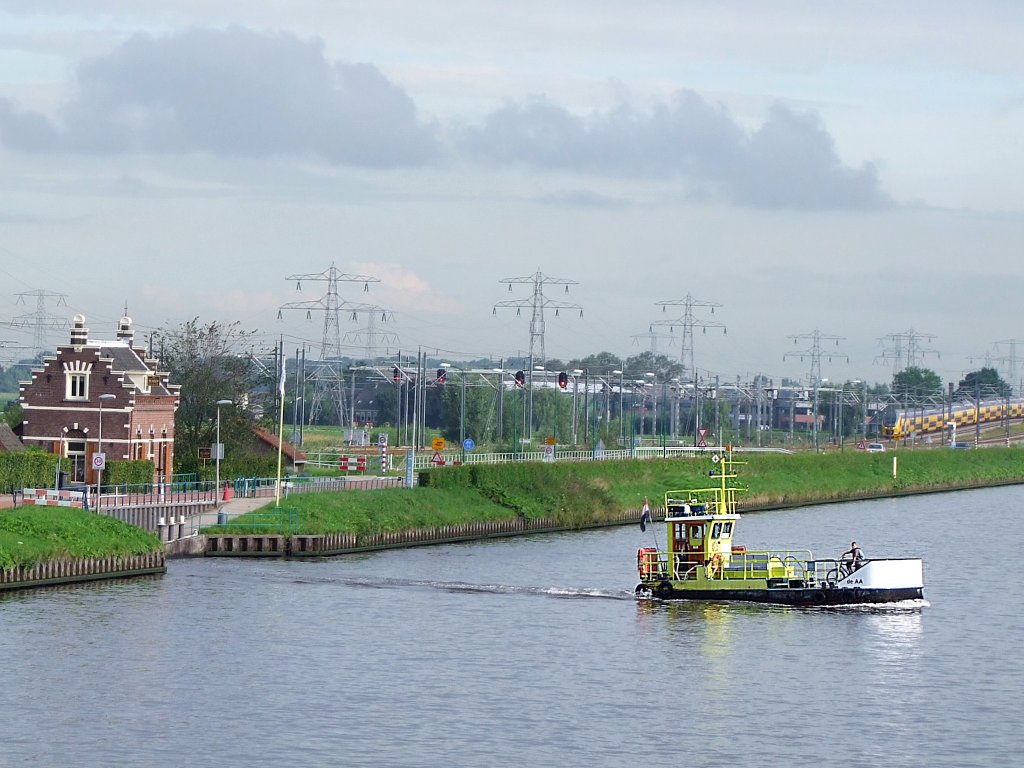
<point>466,587</point>
<point>900,606</point>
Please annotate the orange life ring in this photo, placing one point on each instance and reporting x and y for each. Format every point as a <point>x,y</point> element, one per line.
<point>715,564</point>
<point>646,557</point>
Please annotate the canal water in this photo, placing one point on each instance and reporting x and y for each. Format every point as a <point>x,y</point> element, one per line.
<point>532,652</point>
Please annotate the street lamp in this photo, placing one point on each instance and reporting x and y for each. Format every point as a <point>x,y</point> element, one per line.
<point>60,453</point>
<point>99,442</point>
<point>654,404</point>
<point>218,449</point>
<point>577,372</point>
<point>622,418</point>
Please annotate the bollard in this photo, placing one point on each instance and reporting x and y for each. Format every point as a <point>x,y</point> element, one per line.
<point>222,516</point>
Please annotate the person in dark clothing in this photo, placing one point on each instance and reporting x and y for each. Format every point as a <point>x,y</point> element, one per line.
<point>852,558</point>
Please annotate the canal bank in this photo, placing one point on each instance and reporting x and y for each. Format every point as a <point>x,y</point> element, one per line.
<point>466,503</point>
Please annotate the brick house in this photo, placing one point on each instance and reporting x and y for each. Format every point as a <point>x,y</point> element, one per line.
<point>62,404</point>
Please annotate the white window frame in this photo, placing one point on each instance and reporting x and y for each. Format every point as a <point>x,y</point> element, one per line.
<point>71,378</point>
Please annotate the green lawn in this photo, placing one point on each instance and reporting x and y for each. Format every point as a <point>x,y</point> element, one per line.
<point>29,534</point>
<point>589,492</point>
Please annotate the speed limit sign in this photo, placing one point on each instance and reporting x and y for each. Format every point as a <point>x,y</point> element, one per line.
<point>99,461</point>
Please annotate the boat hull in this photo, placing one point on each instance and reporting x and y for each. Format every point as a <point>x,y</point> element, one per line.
<point>788,596</point>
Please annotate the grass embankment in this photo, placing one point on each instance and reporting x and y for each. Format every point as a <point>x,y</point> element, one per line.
<point>30,534</point>
<point>592,492</point>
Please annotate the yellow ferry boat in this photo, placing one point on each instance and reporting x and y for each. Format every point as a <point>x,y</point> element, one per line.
<point>702,562</point>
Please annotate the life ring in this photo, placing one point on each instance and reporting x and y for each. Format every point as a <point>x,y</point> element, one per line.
<point>646,562</point>
<point>818,598</point>
<point>663,590</point>
<point>714,565</point>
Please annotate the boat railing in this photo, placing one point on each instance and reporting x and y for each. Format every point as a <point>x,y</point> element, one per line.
<point>790,565</point>
<point>831,570</point>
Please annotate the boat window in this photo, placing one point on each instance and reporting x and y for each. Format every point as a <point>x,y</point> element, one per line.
<point>697,532</point>
<point>727,529</point>
<point>716,531</point>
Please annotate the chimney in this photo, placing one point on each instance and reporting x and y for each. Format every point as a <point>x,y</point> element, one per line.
<point>79,333</point>
<point>124,330</point>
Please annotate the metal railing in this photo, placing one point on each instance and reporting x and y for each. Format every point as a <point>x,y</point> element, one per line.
<point>284,519</point>
<point>786,565</point>
<point>425,459</point>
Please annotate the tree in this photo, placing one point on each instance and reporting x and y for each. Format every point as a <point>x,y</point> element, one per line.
<point>211,362</point>
<point>913,383</point>
<point>14,416</point>
<point>984,383</point>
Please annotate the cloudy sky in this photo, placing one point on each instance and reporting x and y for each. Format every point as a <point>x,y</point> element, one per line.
<point>848,169</point>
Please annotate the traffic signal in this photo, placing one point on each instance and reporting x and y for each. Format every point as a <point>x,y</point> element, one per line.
<point>396,375</point>
<point>441,373</point>
<point>563,380</point>
<point>520,379</point>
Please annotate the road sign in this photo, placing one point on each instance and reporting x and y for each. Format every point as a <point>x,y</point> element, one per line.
<point>550,440</point>
<point>438,458</point>
<point>437,443</point>
<point>549,453</point>
<point>99,461</point>
<point>382,438</point>
<point>352,463</point>
<point>468,444</point>
<point>702,433</point>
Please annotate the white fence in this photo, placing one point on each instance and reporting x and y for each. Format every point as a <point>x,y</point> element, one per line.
<point>426,459</point>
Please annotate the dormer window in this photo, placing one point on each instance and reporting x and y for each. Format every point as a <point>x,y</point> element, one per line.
<point>76,380</point>
<point>77,386</point>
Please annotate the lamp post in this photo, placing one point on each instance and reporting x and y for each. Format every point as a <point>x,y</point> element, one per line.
<point>60,453</point>
<point>622,416</point>
<point>99,445</point>
<point>652,383</point>
<point>218,450</point>
<point>575,388</point>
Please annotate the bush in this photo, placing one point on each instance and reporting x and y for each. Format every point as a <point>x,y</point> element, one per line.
<point>129,473</point>
<point>31,468</point>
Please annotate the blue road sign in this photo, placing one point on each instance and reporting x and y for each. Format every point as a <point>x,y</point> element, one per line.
<point>468,444</point>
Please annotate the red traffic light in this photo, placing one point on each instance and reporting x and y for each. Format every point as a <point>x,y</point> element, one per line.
<point>520,378</point>
<point>563,380</point>
<point>441,373</point>
<point>396,375</point>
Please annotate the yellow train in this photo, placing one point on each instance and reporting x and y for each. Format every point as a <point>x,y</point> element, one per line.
<point>898,423</point>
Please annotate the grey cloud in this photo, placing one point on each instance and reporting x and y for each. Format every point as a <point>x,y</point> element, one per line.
<point>580,198</point>
<point>788,162</point>
<point>232,92</point>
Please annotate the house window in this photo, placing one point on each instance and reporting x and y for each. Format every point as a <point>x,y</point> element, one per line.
<point>77,386</point>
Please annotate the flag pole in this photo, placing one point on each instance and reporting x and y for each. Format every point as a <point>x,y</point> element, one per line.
<point>280,423</point>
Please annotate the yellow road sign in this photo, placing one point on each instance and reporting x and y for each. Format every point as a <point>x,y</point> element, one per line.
<point>437,443</point>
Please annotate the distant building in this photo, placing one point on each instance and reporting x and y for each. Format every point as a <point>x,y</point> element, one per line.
<point>267,442</point>
<point>9,442</point>
<point>62,408</point>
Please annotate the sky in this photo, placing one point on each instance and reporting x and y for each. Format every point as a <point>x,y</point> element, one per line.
<point>846,171</point>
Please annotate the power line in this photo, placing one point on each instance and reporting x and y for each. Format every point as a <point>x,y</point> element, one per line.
<point>370,335</point>
<point>905,349</point>
<point>652,337</point>
<point>1011,360</point>
<point>327,374</point>
<point>537,304</point>
<point>815,352</point>
<point>41,319</point>
<point>688,323</point>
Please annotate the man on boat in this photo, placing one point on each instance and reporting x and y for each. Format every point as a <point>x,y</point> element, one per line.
<point>855,560</point>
